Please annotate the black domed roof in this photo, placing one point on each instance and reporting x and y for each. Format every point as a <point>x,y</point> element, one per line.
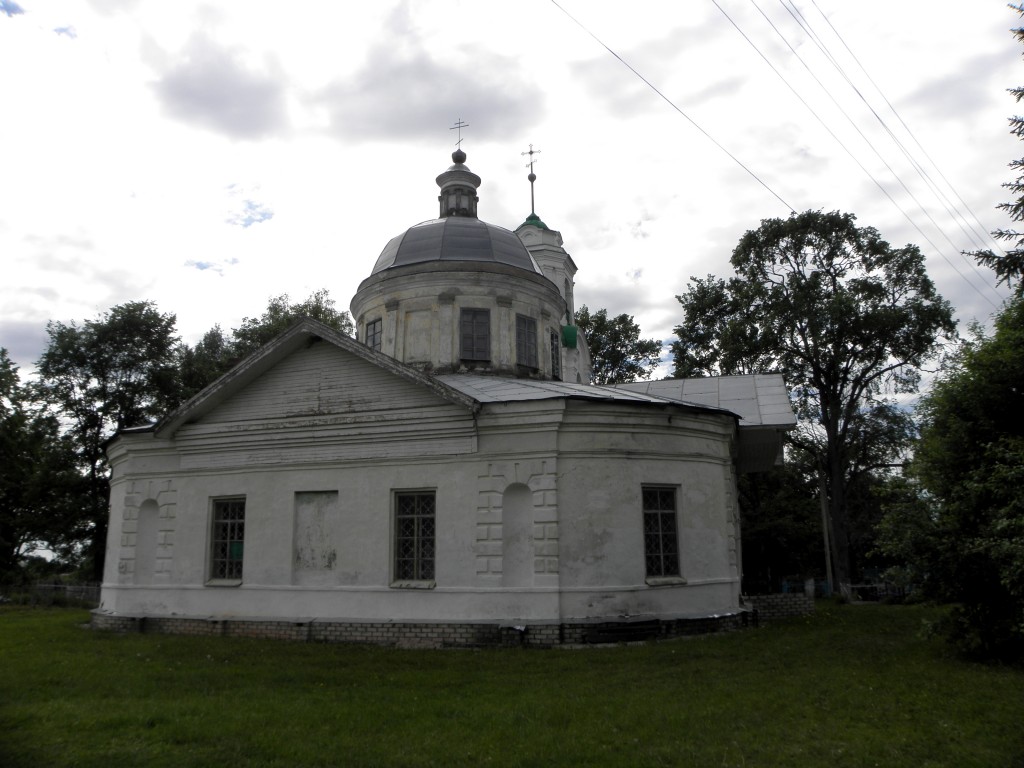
<point>455,238</point>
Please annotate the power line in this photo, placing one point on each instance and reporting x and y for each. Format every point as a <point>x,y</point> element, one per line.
<point>905,126</point>
<point>943,199</point>
<point>839,141</point>
<point>674,106</point>
<point>824,50</point>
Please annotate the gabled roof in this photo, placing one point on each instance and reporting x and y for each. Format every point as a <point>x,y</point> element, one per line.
<point>760,400</point>
<point>303,333</point>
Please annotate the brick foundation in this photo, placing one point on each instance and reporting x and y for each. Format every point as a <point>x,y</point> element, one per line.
<point>782,606</point>
<point>425,635</point>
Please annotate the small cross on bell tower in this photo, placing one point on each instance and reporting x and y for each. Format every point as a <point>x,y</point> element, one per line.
<point>532,177</point>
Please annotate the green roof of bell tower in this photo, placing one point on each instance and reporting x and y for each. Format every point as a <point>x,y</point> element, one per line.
<point>533,220</point>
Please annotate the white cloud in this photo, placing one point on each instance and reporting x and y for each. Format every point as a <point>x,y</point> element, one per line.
<point>209,157</point>
<point>212,86</point>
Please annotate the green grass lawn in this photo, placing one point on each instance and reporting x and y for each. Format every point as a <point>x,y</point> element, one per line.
<point>851,686</point>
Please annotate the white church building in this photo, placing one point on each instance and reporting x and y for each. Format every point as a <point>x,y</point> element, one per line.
<point>449,477</point>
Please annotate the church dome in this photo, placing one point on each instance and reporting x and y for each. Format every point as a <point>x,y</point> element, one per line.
<point>456,294</point>
<point>456,238</point>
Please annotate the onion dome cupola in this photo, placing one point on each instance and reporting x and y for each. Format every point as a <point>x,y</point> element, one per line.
<point>457,294</point>
<point>458,188</point>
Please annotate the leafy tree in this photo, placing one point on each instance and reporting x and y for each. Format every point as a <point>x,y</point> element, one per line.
<point>254,332</point>
<point>964,539</point>
<point>846,318</point>
<point>117,371</point>
<point>216,353</point>
<point>617,352</point>
<point>781,509</point>
<point>718,335</point>
<point>39,486</point>
<point>781,525</point>
<point>213,356</point>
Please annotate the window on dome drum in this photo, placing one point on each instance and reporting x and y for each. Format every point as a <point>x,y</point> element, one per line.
<point>475,333</point>
<point>661,540</point>
<point>228,539</point>
<point>372,335</point>
<point>556,357</point>
<point>414,536</point>
<point>526,341</point>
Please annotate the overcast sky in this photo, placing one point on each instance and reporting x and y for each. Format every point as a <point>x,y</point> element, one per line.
<point>208,156</point>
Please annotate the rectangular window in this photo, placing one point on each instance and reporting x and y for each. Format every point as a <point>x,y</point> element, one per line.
<point>556,357</point>
<point>372,336</point>
<point>661,541</point>
<point>526,341</point>
<point>228,539</point>
<point>475,333</point>
<point>414,536</point>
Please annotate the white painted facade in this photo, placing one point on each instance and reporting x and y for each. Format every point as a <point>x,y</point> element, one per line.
<point>535,481</point>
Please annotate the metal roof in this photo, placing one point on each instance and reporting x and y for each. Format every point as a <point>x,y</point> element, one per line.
<point>759,399</point>
<point>498,389</point>
<point>456,238</point>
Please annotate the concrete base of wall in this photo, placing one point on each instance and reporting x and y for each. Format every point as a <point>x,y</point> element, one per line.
<point>426,635</point>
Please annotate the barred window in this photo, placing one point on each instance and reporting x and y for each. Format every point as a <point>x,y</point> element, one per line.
<point>556,357</point>
<point>475,333</point>
<point>228,538</point>
<point>372,336</point>
<point>526,341</point>
<point>661,541</point>
<point>414,536</point>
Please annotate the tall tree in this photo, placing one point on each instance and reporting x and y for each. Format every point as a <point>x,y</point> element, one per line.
<point>254,332</point>
<point>618,354</point>
<point>964,539</point>
<point>216,353</point>
<point>211,357</point>
<point>781,530</point>
<point>719,335</point>
<point>39,485</point>
<point>847,318</point>
<point>119,370</point>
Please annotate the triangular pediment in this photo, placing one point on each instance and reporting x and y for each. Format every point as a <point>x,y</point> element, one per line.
<point>312,371</point>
